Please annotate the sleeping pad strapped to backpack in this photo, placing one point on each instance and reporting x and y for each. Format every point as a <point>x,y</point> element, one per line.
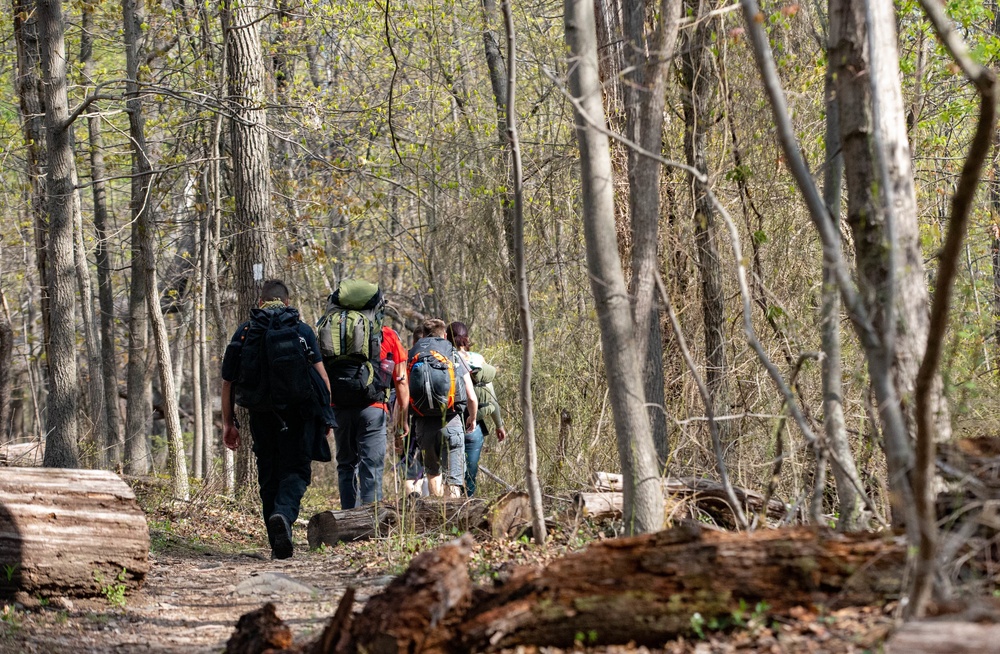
<point>436,385</point>
<point>274,362</point>
<point>350,338</point>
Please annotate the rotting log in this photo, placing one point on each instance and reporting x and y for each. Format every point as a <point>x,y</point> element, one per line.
<point>643,590</point>
<point>646,589</point>
<point>945,637</point>
<point>69,533</point>
<point>498,519</point>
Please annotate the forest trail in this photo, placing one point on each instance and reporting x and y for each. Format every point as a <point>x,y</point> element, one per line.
<point>191,601</point>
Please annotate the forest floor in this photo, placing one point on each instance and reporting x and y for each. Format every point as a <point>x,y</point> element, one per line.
<point>209,566</point>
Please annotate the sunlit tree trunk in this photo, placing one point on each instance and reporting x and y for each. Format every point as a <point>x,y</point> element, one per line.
<point>643,497</point>
<point>645,97</point>
<point>881,210</point>
<point>62,204</point>
<point>253,252</point>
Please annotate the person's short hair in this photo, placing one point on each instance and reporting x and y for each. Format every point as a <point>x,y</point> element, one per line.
<point>458,334</point>
<point>418,333</point>
<point>435,327</point>
<point>273,289</point>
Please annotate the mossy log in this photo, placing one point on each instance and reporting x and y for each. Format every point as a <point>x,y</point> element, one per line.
<point>642,590</point>
<point>69,533</point>
<point>498,519</point>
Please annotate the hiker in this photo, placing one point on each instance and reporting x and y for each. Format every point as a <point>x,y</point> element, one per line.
<point>407,447</point>
<point>441,392</point>
<point>483,375</point>
<point>364,358</point>
<point>273,368</point>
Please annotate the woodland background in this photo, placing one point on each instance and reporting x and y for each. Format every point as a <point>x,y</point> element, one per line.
<point>386,160</point>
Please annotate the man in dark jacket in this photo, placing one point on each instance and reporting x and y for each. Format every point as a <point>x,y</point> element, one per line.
<point>286,406</point>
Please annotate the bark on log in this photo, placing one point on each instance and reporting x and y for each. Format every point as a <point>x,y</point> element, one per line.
<point>945,637</point>
<point>646,589</point>
<point>69,532</point>
<point>642,590</point>
<point>706,494</point>
<point>499,519</point>
<point>22,454</point>
<point>332,527</point>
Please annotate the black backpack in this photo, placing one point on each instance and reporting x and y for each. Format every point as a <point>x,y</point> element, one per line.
<point>274,362</point>
<point>436,385</point>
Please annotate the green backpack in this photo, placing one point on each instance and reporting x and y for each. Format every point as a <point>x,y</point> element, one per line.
<point>350,339</point>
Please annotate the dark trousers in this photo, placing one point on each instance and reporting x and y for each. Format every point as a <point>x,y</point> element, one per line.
<point>282,444</point>
<point>360,437</point>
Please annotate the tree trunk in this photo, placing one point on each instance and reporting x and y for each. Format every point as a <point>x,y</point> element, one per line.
<point>645,99</point>
<point>62,206</point>
<point>698,117</point>
<point>70,532</point>
<point>835,429</point>
<point>28,85</point>
<point>884,277</point>
<point>253,251</point>
<point>6,365</point>
<point>523,296</point>
<point>98,398</point>
<point>643,501</point>
<point>142,214</point>
<point>498,83</point>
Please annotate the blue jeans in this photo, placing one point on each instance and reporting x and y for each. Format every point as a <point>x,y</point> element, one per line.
<point>360,437</point>
<point>473,448</point>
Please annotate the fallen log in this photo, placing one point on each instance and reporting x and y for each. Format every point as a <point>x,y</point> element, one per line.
<point>643,590</point>
<point>497,519</point>
<point>69,533</point>
<point>22,454</point>
<point>706,494</point>
<point>945,637</point>
<point>332,527</point>
<point>646,589</point>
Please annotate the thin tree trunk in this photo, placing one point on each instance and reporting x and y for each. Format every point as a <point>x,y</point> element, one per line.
<point>833,407</point>
<point>527,327</point>
<point>62,205</point>
<point>95,363</point>
<point>643,498</point>
<point>645,99</point>
<point>142,214</point>
<point>698,118</point>
<point>498,83</point>
<point>6,366</point>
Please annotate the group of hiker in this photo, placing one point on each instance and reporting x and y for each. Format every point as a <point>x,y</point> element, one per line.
<point>357,380</point>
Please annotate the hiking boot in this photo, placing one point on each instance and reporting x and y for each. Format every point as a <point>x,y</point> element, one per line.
<point>278,525</point>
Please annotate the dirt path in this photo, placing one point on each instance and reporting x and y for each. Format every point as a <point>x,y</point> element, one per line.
<point>190,603</point>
